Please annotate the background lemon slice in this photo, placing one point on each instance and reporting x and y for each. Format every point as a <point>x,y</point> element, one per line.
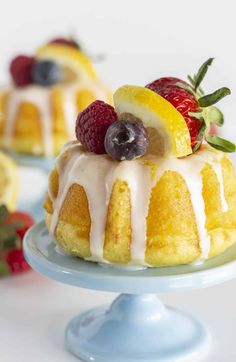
<point>9,182</point>
<point>76,63</point>
<point>167,129</point>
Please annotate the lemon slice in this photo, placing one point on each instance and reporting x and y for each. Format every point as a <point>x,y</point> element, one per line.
<point>76,64</point>
<point>167,129</point>
<point>9,182</point>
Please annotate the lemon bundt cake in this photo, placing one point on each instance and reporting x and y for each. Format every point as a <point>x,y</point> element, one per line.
<point>39,109</point>
<point>143,184</point>
<point>9,182</point>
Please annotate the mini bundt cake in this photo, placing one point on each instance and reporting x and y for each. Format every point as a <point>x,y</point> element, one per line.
<point>37,112</point>
<point>144,183</point>
<point>151,210</point>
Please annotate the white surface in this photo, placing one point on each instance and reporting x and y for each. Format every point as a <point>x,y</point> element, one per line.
<point>34,313</point>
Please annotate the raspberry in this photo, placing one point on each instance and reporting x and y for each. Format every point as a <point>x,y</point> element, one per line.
<point>21,70</point>
<point>92,125</point>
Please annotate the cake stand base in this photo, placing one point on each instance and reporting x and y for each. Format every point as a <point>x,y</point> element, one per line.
<point>136,328</point>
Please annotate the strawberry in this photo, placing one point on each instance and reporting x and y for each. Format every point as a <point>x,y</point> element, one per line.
<point>65,41</point>
<point>25,219</point>
<point>182,100</point>
<point>16,261</point>
<point>13,227</point>
<point>197,109</point>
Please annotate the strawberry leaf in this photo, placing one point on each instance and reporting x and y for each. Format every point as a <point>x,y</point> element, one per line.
<point>4,269</point>
<point>221,144</point>
<point>3,213</point>
<point>191,80</point>
<point>216,116</point>
<point>200,137</point>
<point>201,73</point>
<point>185,87</point>
<point>197,115</point>
<point>214,97</point>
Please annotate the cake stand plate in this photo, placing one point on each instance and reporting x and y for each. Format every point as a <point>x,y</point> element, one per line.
<point>137,326</point>
<point>44,163</point>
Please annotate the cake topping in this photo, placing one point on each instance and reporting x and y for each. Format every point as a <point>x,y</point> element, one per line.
<point>75,63</point>
<point>167,130</point>
<point>46,72</point>
<point>126,140</point>
<point>92,125</point>
<point>21,70</point>
<point>168,117</point>
<point>65,41</point>
<point>196,108</point>
<point>64,62</point>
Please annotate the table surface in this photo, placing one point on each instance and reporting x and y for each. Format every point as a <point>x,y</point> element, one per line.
<point>34,312</point>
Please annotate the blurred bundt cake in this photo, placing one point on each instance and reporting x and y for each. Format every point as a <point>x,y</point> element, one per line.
<point>37,112</point>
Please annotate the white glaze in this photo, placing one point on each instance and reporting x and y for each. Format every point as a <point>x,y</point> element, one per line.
<point>69,100</point>
<point>214,157</point>
<point>38,96</point>
<point>41,98</point>
<point>97,174</point>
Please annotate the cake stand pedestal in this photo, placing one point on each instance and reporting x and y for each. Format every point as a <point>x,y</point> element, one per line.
<point>137,327</point>
<point>45,164</point>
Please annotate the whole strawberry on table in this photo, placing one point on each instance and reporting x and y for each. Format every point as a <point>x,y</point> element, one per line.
<point>13,227</point>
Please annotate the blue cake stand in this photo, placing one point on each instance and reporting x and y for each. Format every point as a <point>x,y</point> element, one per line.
<point>43,163</point>
<point>137,327</point>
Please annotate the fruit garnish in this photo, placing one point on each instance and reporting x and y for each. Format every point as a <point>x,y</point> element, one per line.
<point>65,41</point>
<point>13,227</point>
<point>75,63</point>
<point>9,181</point>
<point>46,73</point>
<point>167,130</point>
<point>21,70</point>
<point>197,108</point>
<point>126,140</point>
<point>92,124</point>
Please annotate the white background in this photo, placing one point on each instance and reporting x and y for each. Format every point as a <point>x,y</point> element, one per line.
<point>142,40</point>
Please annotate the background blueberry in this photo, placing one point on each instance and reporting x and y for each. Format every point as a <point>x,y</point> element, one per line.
<point>46,73</point>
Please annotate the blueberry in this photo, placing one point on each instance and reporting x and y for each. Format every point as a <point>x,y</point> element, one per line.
<point>46,73</point>
<point>126,140</point>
